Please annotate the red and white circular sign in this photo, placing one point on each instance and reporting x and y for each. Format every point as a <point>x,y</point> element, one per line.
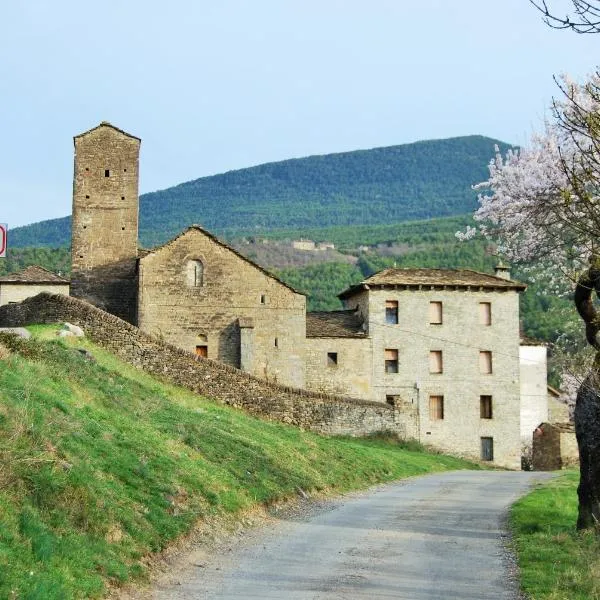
<point>3,236</point>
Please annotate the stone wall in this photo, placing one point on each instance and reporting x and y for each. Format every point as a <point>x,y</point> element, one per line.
<point>459,386</point>
<point>104,234</point>
<point>348,375</point>
<point>317,412</point>
<point>197,291</point>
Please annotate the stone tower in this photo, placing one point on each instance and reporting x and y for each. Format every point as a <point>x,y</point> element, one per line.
<point>104,238</point>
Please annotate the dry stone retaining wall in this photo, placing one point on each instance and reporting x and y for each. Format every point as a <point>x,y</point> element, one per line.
<point>317,412</point>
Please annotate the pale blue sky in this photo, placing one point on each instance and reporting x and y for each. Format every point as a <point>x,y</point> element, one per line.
<point>216,85</point>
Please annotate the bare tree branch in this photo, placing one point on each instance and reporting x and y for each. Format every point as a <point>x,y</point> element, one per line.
<point>585,17</point>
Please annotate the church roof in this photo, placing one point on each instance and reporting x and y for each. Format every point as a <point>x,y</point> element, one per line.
<point>107,124</point>
<point>33,274</point>
<point>145,253</point>
<point>435,278</point>
<point>337,323</point>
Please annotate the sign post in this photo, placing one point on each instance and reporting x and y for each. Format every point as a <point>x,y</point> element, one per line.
<point>3,238</point>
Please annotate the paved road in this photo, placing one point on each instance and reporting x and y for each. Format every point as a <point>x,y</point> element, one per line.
<point>428,538</point>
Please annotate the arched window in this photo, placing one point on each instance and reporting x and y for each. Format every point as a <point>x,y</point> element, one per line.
<point>195,273</point>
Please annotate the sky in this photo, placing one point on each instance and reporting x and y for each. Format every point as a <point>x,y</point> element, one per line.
<point>212,86</point>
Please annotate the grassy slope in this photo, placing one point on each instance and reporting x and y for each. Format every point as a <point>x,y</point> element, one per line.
<point>557,562</point>
<point>100,464</point>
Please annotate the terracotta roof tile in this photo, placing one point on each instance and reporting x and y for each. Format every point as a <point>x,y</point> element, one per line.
<point>432,277</point>
<point>33,274</point>
<point>338,323</point>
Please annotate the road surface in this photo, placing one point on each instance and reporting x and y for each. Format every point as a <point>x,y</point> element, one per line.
<point>435,537</point>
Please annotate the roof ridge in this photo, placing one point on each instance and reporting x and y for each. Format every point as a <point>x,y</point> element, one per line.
<point>107,124</point>
<point>224,245</point>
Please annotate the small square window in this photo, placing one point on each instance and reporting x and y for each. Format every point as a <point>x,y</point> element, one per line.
<point>485,313</point>
<point>435,313</point>
<point>332,359</point>
<point>392,400</point>
<point>485,407</point>
<point>485,362</point>
<point>436,408</point>
<point>391,312</point>
<point>202,351</point>
<point>436,362</point>
<point>391,360</point>
<point>106,173</point>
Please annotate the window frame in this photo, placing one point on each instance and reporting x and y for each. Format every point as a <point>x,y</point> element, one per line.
<point>485,313</point>
<point>487,362</point>
<point>436,362</point>
<point>486,407</point>
<point>391,312</point>
<point>435,314</point>
<point>391,362</point>
<point>332,359</point>
<point>436,407</point>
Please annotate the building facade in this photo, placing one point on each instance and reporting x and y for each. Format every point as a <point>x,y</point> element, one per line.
<point>30,282</point>
<point>441,346</point>
<point>198,293</point>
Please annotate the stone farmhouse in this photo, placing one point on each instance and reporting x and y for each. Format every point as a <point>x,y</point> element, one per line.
<point>441,347</point>
<point>15,287</point>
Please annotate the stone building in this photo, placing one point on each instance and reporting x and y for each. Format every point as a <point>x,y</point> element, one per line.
<point>104,230</point>
<point>201,295</point>
<point>441,346</point>
<point>29,282</point>
<point>554,447</point>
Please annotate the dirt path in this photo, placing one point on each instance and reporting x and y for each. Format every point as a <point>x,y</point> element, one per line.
<point>427,538</point>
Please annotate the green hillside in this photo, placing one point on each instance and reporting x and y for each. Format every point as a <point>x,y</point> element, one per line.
<point>379,186</point>
<point>101,464</point>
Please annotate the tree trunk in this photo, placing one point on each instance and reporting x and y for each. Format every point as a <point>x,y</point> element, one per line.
<point>587,429</point>
<point>587,409</point>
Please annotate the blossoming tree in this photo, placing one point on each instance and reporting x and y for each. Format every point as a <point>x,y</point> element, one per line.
<point>542,206</point>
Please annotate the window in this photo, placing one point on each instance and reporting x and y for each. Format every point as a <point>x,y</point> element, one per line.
<point>487,448</point>
<point>391,312</point>
<point>391,361</point>
<point>276,343</point>
<point>106,173</point>
<point>392,400</point>
<point>202,351</point>
<point>195,273</point>
<point>435,313</point>
<point>485,407</point>
<point>485,362</point>
<point>263,299</point>
<point>436,408</point>
<point>485,313</point>
<point>435,361</point>
<point>332,359</point>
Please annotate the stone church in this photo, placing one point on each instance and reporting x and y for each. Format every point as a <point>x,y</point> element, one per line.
<point>440,345</point>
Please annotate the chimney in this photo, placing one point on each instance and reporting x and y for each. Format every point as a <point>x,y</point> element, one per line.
<point>502,271</point>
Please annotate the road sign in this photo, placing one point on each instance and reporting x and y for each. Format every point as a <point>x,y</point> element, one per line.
<point>3,237</point>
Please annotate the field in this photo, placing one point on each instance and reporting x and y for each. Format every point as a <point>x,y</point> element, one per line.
<point>557,562</point>
<point>102,465</point>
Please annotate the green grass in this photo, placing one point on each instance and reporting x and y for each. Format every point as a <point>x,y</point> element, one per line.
<point>557,562</point>
<point>100,465</point>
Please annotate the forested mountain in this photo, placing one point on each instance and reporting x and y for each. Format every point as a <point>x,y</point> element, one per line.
<point>383,185</point>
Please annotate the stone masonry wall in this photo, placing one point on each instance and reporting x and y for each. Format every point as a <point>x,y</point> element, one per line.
<point>349,376</point>
<point>105,220</point>
<point>206,310</point>
<point>317,412</point>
